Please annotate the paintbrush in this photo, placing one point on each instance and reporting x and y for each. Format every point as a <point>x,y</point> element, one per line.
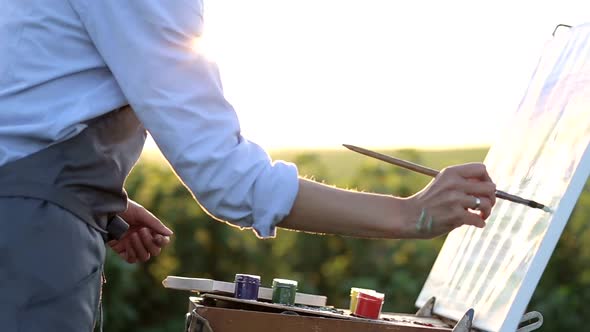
<point>432,172</point>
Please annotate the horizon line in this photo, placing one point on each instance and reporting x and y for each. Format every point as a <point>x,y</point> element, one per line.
<point>382,147</point>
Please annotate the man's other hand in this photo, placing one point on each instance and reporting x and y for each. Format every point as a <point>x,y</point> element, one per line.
<point>145,237</point>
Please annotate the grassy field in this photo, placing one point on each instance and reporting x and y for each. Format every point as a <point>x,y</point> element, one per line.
<point>343,164</point>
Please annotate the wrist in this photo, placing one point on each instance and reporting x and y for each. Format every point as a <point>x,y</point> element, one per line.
<point>395,217</point>
<point>406,219</point>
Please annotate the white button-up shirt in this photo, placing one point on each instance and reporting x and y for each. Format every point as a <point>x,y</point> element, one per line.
<point>63,62</point>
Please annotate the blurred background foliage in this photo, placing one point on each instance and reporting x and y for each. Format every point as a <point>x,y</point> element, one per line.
<point>135,300</point>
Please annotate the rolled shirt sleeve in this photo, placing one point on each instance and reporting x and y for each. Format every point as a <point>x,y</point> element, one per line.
<point>177,94</point>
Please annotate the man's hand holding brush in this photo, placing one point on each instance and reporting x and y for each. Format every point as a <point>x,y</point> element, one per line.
<point>458,195</point>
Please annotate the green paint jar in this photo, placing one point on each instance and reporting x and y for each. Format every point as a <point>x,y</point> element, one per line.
<point>284,291</point>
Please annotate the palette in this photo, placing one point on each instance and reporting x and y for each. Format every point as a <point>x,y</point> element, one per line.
<point>202,285</point>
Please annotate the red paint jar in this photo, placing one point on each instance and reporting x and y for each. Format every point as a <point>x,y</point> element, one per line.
<point>369,305</point>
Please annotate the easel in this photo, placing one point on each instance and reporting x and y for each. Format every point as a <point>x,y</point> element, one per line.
<point>216,297</point>
<point>215,313</point>
<point>221,313</point>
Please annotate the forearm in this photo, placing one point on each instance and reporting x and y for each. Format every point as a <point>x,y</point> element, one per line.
<point>319,208</point>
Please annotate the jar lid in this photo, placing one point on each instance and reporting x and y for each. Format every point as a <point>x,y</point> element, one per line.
<point>356,290</point>
<point>277,282</point>
<point>249,278</point>
<point>371,296</point>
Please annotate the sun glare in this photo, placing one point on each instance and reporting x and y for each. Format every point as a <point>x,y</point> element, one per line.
<point>320,73</point>
<point>203,46</point>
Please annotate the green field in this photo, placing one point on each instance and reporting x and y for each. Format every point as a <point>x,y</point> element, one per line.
<point>343,163</point>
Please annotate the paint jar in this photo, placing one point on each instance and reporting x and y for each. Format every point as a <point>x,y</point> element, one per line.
<point>354,292</point>
<point>246,286</point>
<point>284,291</point>
<point>369,305</point>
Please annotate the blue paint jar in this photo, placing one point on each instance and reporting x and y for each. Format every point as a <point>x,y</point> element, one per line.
<point>246,286</point>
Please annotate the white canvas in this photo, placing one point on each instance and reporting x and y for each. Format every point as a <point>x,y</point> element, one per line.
<point>542,154</point>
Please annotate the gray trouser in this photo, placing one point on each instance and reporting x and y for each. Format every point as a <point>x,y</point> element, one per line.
<point>50,268</point>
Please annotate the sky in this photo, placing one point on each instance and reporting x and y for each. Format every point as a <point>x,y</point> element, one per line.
<point>379,73</point>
